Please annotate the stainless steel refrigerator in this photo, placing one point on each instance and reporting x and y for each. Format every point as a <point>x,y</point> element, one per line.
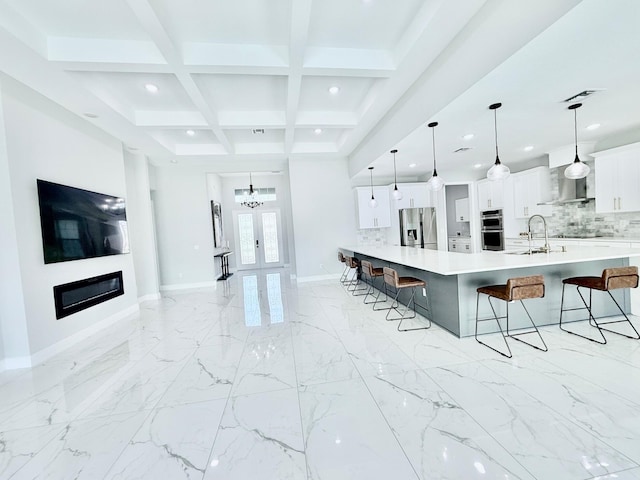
<point>418,228</point>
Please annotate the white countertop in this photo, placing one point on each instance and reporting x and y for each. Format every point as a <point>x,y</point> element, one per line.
<point>451,263</point>
<point>553,240</point>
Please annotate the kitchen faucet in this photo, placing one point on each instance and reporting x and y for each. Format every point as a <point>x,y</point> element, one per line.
<point>546,248</point>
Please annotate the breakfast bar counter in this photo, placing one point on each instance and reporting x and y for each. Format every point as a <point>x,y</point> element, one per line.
<point>452,279</point>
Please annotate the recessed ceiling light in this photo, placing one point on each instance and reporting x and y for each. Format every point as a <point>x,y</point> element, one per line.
<point>90,115</point>
<point>317,131</point>
<point>151,88</point>
<point>173,160</point>
<point>334,90</point>
<point>191,133</point>
<point>594,126</point>
<point>468,136</point>
<point>412,165</point>
<point>528,148</point>
<point>477,165</point>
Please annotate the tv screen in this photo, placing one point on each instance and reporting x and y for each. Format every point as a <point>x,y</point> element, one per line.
<point>80,224</point>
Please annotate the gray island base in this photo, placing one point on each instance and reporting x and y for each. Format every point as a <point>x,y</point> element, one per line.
<point>452,280</point>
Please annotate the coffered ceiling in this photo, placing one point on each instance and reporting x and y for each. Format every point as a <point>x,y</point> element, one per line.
<point>245,81</point>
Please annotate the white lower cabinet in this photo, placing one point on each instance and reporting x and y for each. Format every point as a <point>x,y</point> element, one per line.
<point>460,245</point>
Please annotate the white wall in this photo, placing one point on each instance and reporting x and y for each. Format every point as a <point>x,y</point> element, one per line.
<point>45,141</point>
<point>214,191</point>
<point>183,227</point>
<point>140,223</point>
<point>323,213</point>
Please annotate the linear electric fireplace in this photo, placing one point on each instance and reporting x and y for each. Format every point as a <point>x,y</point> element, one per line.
<point>76,296</point>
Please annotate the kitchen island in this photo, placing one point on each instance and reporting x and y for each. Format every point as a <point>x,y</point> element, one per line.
<point>452,280</point>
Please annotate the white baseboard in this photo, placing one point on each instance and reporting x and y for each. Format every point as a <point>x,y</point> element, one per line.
<point>78,337</point>
<point>150,297</point>
<point>318,278</point>
<point>186,286</point>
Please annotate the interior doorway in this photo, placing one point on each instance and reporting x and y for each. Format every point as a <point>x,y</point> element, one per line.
<point>258,238</point>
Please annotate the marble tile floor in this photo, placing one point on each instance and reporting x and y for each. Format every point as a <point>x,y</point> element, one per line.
<point>262,378</point>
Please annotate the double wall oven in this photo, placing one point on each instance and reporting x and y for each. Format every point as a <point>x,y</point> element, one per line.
<point>492,232</point>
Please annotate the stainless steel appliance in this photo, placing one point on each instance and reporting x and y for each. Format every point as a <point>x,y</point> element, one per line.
<point>418,228</point>
<point>492,232</point>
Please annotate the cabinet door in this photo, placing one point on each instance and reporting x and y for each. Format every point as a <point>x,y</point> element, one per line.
<point>368,216</point>
<point>520,196</point>
<point>462,210</point>
<point>606,192</point>
<point>484,194</point>
<point>496,189</point>
<point>628,174</point>
<point>420,196</point>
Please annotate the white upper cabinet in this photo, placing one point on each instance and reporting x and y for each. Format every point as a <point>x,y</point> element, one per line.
<point>490,194</point>
<point>530,188</point>
<point>618,179</point>
<point>373,217</point>
<point>414,195</point>
<point>462,210</point>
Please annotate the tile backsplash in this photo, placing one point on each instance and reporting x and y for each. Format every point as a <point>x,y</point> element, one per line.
<point>581,219</point>
<point>372,236</point>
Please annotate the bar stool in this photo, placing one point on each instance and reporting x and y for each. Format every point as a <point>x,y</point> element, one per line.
<point>342,259</point>
<point>611,279</point>
<point>399,283</point>
<point>517,288</point>
<point>372,273</point>
<point>352,286</point>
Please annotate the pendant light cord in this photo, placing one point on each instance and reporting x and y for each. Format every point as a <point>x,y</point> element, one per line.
<point>495,129</point>
<point>575,127</point>
<point>433,142</point>
<point>371,172</point>
<point>395,178</point>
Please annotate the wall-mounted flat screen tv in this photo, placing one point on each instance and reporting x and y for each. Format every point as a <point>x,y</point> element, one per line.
<point>80,224</point>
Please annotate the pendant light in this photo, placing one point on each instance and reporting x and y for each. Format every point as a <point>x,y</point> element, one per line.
<point>373,202</point>
<point>577,169</point>
<point>498,171</point>
<point>251,200</point>
<point>397,194</point>
<point>435,183</point>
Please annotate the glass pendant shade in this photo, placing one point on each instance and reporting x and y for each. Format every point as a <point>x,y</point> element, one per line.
<point>373,202</point>
<point>577,169</point>
<point>435,183</point>
<point>498,171</point>
<point>397,194</point>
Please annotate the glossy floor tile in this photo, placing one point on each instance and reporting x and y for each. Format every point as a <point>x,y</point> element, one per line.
<point>262,378</point>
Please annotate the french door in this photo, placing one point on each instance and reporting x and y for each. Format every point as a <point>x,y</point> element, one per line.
<point>258,238</point>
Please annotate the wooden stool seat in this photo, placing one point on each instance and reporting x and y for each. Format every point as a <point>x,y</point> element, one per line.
<point>611,279</point>
<point>516,289</point>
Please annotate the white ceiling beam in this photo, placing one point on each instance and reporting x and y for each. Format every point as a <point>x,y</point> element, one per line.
<point>183,149</point>
<point>326,119</point>
<point>107,67</point>
<point>314,147</point>
<point>171,118</point>
<point>348,58</point>
<point>259,148</point>
<point>347,72</point>
<point>16,25</point>
<point>149,20</point>
<point>300,18</point>
<point>252,119</point>
<point>103,50</point>
<point>200,53</point>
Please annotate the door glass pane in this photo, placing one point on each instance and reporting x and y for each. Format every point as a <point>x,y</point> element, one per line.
<point>247,239</point>
<point>270,232</point>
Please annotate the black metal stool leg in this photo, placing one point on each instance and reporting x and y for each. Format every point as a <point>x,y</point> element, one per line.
<point>496,318</point>
<point>386,297</point>
<point>591,318</point>
<point>626,319</point>
<point>394,306</point>
<point>402,318</point>
<point>515,335</point>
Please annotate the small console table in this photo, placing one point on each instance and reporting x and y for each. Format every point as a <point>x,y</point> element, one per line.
<point>224,263</point>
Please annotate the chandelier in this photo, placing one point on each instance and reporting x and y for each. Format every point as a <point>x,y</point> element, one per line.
<point>251,200</point>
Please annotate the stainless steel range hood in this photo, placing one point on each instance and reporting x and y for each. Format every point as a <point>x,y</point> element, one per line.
<point>570,191</point>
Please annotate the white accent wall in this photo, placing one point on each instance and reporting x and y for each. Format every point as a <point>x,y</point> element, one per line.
<point>323,214</point>
<point>47,142</point>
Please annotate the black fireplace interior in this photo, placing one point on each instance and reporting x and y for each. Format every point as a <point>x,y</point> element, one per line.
<point>76,296</point>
